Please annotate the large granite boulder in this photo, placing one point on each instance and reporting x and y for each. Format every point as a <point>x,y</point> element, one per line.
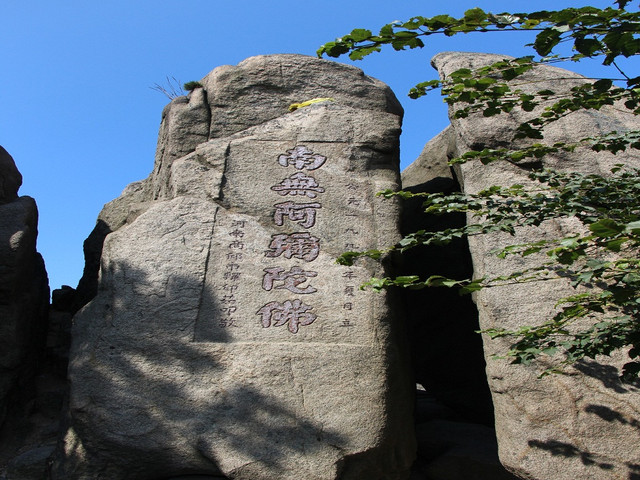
<point>576,426</point>
<point>224,339</point>
<point>236,97</point>
<point>24,290</point>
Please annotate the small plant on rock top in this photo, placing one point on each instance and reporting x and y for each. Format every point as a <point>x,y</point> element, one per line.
<point>171,88</point>
<point>191,86</point>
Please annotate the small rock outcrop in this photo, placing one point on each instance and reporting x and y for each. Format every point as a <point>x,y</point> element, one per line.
<point>583,424</point>
<point>223,339</point>
<point>24,296</point>
<point>10,178</point>
<point>24,290</point>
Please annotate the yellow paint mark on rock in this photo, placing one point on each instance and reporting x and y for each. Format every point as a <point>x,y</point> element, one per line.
<point>295,106</point>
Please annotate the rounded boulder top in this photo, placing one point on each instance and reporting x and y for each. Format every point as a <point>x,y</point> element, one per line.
<point>261,88</point>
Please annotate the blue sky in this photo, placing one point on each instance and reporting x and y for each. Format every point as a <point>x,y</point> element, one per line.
<point>79,117</point>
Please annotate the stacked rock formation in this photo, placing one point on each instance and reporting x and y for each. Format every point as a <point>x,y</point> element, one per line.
<point>223,338</point>
<point>583,424</point>
<point>24,290</point>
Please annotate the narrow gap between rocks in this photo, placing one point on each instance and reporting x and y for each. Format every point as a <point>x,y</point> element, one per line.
<point>454,412</point>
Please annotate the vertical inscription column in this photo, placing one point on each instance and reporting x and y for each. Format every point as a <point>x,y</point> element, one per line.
<point>352,242</point>
<point>232,275</point>
<point>294,313</point>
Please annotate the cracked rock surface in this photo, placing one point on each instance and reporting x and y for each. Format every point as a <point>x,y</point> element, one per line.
<point>223,339</point>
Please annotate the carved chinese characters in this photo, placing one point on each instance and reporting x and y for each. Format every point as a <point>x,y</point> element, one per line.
<point>271,270</point>
<point>297,245</point>
<point>302,213</point>
<point>290,280</point>
<point>301,158</point>
<point>232,275</point>
<point>291,313</point>
<point>351,236</point>
<point>271,274</point>
<point>298,184</point>
<point>300,245</point>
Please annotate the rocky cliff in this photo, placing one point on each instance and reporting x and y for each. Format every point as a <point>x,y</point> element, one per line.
<point>576,426</point>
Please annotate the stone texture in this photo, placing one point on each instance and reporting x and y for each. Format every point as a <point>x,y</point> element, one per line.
<point>234,97</point>
<point>261,88</point>
<point>24,290</point>
<point>185,125</point>
<point>10,178</point>
<point>430,171</point>
<point>576,426</point>
<point>115,214</point>
<point>223,339</point>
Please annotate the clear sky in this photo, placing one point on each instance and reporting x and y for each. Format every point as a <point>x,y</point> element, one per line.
<point>79,117</point>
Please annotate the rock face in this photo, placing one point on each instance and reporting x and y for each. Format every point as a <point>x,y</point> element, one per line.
<point>24,289</point>
<point>10,178</point>
<point>224,339</point>
<point>580,425</point>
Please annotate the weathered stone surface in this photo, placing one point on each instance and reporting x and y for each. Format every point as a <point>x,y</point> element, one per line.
<point>224,339</point>
<point>233,98</point>
<point>581,425</point>
<point>261,88</point>
<point>430,171</point>
<point>10,178</point>
<point>185,125</point>
<point>24,290</point>
<point>115,214</point>
<point>24,301</point>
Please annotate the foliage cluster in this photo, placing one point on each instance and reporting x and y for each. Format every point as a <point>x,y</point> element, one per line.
<point>191,86</point>
<point>602,262</point>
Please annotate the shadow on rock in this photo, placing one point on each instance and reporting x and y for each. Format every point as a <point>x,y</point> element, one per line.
<point>149,403</point>
<point>568,450</point>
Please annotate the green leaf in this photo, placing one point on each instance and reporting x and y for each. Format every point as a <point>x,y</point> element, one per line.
<point>471,287</point>
<point>406,280</point>
<point>439,281</point>
<point>387,30</point>
<point>587,46</point>
<point>606,228</point>
<point>616,244</point>
<point>414,23</point>
<point>362,52</point>
<point>475,16</point>
<point>360,34</point>
<point>633,227</point>
<point>333,49</point>
<point>376,284</point>
<point>546,41</point>
<point>603,85</point>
